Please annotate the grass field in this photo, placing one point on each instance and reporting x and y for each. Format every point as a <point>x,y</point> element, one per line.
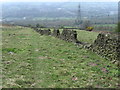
<point>31,60</point>
<point>86,36</point>
<point>112,25</point>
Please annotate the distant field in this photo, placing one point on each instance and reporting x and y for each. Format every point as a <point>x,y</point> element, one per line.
<point>60,18</point>
<point>86,36</point>
<point>113,25</point>
<point>31,60</point>
<point>105,27</point>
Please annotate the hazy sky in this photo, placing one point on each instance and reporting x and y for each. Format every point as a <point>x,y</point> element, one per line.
<point>59,0</point>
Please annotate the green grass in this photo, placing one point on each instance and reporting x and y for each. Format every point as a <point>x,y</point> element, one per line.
<point>86,36</point>
<point>32,60</point>
<point>112,25</point>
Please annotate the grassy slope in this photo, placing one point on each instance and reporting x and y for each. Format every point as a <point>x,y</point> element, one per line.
<point>32,60</point>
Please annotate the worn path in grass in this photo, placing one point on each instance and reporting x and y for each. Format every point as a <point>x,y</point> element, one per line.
<point>32,60</point>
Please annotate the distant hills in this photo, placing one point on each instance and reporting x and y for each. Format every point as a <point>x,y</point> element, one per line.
<point>57,9</point>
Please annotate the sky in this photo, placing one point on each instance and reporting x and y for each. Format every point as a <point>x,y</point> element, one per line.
<point>59,0</point>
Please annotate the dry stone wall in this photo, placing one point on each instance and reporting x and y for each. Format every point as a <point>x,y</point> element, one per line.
<point>44,32</point>
<point>69,35</point>
<point>106,45</point>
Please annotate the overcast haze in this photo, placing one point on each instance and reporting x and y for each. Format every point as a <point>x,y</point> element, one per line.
<point>59,0</point>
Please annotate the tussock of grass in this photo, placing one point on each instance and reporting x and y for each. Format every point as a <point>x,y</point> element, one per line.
<point>48,62</point>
